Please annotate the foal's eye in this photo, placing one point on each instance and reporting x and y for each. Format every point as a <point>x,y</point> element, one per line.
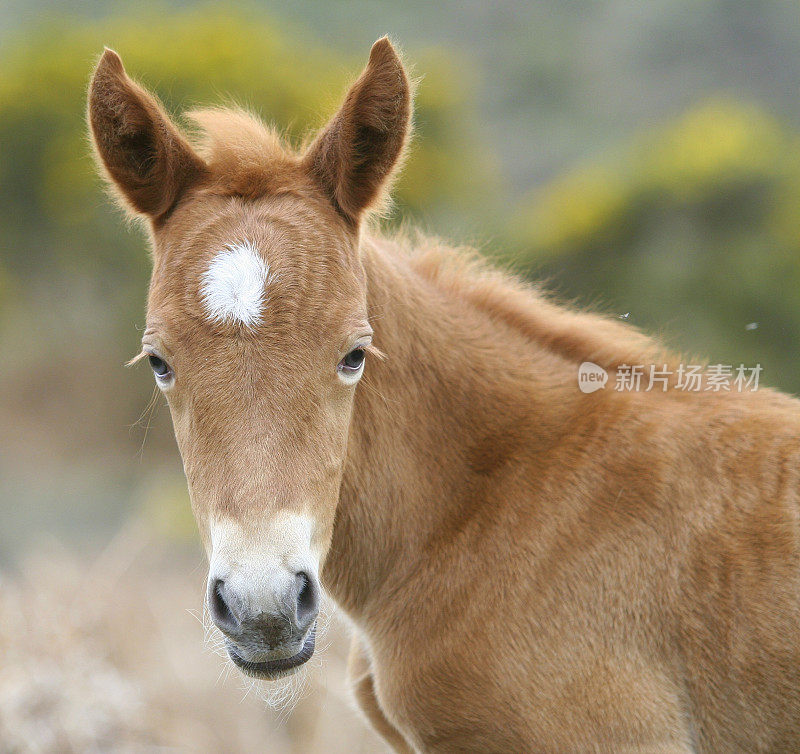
<point>351,365</point>
<point>160,368</point>
<point>354,359</point>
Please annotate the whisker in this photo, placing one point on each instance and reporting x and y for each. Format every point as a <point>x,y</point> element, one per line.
<point>150,411</point>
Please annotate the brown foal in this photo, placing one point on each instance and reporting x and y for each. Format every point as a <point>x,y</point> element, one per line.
<point>527,567</point>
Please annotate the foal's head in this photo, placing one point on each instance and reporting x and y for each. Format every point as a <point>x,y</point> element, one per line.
<point>257,327</point>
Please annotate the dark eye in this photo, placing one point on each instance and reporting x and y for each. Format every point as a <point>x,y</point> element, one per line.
<point>353,361</point>
<point>160,367</point>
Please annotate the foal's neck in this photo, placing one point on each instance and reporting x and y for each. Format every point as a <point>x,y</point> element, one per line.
<point>459,396</point>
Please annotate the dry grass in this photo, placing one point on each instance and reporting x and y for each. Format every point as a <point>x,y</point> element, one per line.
<point>109,656</point>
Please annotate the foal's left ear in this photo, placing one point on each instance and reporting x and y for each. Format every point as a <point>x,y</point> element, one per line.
<point>354,156</point>
<point>144,154</point>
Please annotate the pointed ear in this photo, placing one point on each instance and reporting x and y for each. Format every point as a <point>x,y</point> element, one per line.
<point>354,156</point>
<point>142,152</point>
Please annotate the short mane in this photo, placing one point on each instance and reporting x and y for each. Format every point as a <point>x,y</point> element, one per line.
<point>246,157</point>
<point>574,335</point>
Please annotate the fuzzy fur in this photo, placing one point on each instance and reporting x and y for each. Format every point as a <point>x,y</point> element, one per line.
<point>527,568</point>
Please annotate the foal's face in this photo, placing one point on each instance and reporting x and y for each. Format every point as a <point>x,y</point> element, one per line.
<point>257,330</point>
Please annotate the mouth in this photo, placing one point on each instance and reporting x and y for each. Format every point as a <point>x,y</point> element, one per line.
<point>271,670</point>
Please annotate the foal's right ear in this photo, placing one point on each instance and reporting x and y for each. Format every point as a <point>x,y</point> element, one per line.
<point>142,152</point>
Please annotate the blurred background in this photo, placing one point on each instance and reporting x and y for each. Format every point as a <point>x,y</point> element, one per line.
<point>642,158</point>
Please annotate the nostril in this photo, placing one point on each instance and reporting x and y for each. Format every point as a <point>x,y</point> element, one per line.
<point>307,599</point>
<point>221,613</point>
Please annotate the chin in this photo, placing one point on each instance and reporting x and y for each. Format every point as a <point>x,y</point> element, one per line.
<point>272,670</point>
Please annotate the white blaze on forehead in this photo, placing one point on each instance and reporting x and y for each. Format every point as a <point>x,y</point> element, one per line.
<point>233,286</point>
